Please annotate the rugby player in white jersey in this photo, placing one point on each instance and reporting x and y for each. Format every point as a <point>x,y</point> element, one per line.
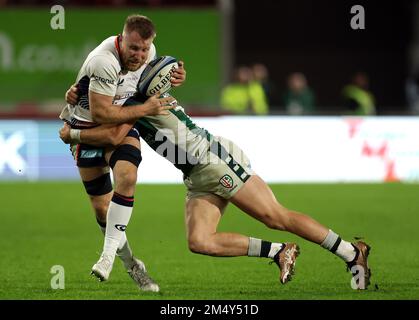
<point>217,172</point>
<point>105,81</point>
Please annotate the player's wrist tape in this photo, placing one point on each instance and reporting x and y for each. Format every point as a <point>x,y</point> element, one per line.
<point>75,135</point>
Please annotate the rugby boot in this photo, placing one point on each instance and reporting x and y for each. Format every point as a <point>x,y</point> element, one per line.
<point>361,273</point>
<point>103,267</point>
<point>285,259</point>
<point>139,274</point>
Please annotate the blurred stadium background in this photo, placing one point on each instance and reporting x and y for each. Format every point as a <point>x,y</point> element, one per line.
<point>330,144</point>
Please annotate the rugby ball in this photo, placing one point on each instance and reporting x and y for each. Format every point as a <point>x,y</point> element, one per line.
<point>156,76</point>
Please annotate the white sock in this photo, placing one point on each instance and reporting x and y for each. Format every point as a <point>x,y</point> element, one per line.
<point>339,247</point>
<point>262,248</point>
<point>345,251</point>
<point>275,248</point>
<point>118,216</point>
<point>124,250</point>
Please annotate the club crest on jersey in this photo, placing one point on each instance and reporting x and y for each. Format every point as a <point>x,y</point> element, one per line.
<point>226,181</point>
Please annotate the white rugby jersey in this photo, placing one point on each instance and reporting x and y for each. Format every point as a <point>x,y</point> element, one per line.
<point>101,73</point>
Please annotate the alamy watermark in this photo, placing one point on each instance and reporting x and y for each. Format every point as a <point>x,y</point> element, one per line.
<point>58,278</point>
<point>358,278</point>
<point>194,146</point>
<point>58,20</point>
<point>358,20</point>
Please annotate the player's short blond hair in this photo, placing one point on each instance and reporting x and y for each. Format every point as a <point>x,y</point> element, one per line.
<point>140,24</point>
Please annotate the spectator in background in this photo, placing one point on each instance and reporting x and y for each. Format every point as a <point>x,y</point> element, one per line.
<point>299,99</point>
<point>261,75</point>
<point>358,100</point>
<point>244,95</point>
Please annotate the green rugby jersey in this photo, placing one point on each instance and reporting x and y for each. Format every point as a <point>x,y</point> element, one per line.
<point>175,137</point>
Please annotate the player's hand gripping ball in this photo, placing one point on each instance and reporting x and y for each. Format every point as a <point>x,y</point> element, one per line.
<point>156,76</point>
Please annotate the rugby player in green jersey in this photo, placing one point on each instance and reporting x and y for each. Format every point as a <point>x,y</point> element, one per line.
<point>217,172</point>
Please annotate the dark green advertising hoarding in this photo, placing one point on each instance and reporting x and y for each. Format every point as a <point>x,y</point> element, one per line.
<point>38,63</point>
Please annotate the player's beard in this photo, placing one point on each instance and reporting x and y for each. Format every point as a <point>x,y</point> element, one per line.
<point>132,65</point>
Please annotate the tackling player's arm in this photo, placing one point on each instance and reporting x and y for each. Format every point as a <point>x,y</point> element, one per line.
<point>101,136</point>
<point>103,111</point>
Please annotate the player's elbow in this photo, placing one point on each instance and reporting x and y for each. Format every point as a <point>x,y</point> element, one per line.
<point>115,137</point>
<point>114,141</point>
<point>98,116</point>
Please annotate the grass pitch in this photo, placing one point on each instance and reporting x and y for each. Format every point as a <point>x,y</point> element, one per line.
<point>47,224</point>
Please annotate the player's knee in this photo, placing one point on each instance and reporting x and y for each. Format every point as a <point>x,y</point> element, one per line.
<point>126,177</point>
<point>276,218</point>
<point>202,245</point>
<point>124,162</point>
<point>195,245</point>
<point>98,187</point>
<point>273,223</point>
<point>126,152</point>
